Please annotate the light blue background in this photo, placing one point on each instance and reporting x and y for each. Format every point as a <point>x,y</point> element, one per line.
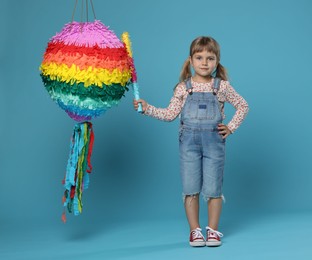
<point>266,47</point>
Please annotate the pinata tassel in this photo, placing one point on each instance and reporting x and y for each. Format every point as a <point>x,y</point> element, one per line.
<point>78,168</point>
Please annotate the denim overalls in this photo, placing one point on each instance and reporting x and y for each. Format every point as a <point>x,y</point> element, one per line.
<point>202,149</point>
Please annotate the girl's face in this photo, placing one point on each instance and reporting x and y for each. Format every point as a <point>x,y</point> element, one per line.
<point>203,63</point>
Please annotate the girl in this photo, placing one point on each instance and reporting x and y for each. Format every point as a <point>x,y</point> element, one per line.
<point>199,100</point>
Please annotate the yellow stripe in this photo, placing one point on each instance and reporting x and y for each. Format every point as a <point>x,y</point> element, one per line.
<point>90,76</point>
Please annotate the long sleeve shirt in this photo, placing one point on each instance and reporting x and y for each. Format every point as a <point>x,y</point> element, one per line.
<point>226,93</point>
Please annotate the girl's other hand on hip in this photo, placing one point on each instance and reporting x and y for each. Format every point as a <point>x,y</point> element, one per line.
<point>224,131</point>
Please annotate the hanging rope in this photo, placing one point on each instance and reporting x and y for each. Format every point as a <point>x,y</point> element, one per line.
<point>81,16</point>
<point>87,11</point>
<point>93,9</point>
<point>72,19</point>
<point>82,11</point>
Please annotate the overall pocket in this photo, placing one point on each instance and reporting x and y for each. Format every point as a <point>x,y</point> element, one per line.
<point>200,109</point>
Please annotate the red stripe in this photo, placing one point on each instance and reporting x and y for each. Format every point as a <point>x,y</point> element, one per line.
<point>100,53</point>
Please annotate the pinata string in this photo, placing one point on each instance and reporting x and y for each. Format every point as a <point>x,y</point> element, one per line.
<point>73,15</point>
<point>82,10</point>
<point>93,9</point>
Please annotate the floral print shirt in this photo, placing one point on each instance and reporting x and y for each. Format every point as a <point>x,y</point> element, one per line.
<point>226,93</point>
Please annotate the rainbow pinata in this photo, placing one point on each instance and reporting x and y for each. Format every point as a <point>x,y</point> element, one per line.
<point>86,69</point>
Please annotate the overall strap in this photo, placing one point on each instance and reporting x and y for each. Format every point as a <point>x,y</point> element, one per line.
<point>188,84</point>
<point>216,85</point>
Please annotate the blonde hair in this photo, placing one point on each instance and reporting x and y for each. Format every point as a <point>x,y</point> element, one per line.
<point>200,44</point>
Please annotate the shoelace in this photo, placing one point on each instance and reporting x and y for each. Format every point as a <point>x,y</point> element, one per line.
<point>214,231</point>
<point>196,233</point>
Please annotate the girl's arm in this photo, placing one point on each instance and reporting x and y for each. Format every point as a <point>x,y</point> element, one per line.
<point>164,114</point>
<point>239,103</point>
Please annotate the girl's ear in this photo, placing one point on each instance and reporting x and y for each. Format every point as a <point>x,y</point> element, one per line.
<point>190,59</point>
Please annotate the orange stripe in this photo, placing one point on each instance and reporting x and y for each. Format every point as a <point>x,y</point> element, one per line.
<point>84,61</point>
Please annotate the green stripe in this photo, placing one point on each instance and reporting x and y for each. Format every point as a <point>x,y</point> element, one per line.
<point>86,103</point>
<point>105,94</point>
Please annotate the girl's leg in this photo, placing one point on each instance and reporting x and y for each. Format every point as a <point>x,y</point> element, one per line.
<point>214,212</point>
<point>191,205</point>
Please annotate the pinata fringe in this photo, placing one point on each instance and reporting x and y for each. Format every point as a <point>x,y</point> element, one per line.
<point>78,168</point>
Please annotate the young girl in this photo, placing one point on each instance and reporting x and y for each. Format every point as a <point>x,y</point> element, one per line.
<point>199,100</point>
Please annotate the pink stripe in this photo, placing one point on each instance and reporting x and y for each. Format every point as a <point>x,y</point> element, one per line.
<point>88,34</point>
